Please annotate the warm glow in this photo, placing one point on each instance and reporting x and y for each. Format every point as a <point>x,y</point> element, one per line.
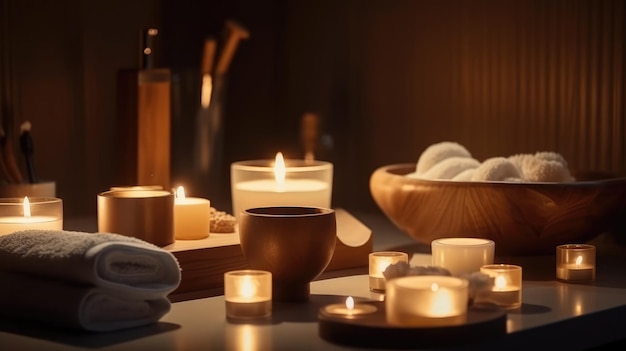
<point>350,303</point>
<point>579,260</point>
<point>382,264</point>
<point>248,339</point>
<point>180,192</point>
<point>247,289</point>
<point>441,302</point>
<point>26,207</point>
<point>500,282</point>
<point>279,169</point>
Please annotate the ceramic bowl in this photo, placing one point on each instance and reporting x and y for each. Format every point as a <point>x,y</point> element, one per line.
<point>521,218</point>
<point>296,244</point>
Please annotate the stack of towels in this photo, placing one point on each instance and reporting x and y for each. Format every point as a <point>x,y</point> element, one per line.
<point>452,161</point>
<point>88,281</point>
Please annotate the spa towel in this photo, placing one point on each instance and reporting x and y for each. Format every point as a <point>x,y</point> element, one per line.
<point>68,305</point>
<point>112,261</point>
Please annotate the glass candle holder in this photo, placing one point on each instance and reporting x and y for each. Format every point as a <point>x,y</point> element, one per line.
<point>378,262</point>
<point>248,294</point>
<point>462,255</point>
<point>507,286</point>
<point>576,263</point>
<point>427,300</point>
<point>24,213</point>
<point>265,183</point>
<point>144,214</point>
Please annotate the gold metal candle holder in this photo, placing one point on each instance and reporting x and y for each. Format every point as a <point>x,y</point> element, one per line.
<point>143,214</point>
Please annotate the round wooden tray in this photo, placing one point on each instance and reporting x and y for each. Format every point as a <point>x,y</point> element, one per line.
<point>483,323</point>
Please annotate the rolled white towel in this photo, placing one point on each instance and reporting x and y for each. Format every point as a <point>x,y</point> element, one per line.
<point>106,260</point>
<point>498,169</point>
<point>466,175</point>
<point>438,152</point>
<point>544,166</point>
<point>450,167</point>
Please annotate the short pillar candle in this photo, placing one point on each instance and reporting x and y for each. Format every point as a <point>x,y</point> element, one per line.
<point>462,255</point>
<point>248,294</point>
<point>378,262</point>
<point>426,301</point>
<point>267,183</point>
<point>576,263</point>
<point>37,213</point>
<point>507,285</point>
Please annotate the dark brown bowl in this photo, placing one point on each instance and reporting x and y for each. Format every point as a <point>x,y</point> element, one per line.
<point>296,244</point>
<point>521,218</point>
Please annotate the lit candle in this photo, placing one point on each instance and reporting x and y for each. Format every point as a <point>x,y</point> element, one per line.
<point>378,262</point>
<point>507,287</point>
<point>576,263</point>
<point>350,309</point>
<point>293,183</point>
<point>426,300</point>
<point>191,216</point>
<point>37,213</point>
<point>248,294</point>
<point>462,255</point>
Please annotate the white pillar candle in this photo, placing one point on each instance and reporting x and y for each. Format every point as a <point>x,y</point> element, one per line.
<point>192,218</point>
<point>378,262</point>
<point>264,183</point>
<point>576,263</point>
<point>426,300</point>
<point>248,294</point>
<point>507,285</point>
<point>30,213</point>
<point>462,255</point>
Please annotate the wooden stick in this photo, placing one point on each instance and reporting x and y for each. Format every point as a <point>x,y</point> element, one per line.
<point>208,56</point>
<point>234,33</point>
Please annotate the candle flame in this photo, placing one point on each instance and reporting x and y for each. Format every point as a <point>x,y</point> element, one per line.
<point>434,287</point>
<point>579,260</point>
<point>26,207</point>
<point>180,192</point>
<point>500,282</point>
<point>279,169</point>
<point>247,288</point>
<point>350,303</point>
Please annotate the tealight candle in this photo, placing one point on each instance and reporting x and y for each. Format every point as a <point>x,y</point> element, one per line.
<point>192,218</point>
<point>248,294</point>
<point>378,262</point>
<point>426,300</point>
<point>285,183</point>
<point>41,213</point>
<point>462,255</point>
<point>576,263</point>
<point>350,309</point>
<point>507,285</point>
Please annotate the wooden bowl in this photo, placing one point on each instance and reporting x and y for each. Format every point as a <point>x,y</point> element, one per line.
<point>521,218</point>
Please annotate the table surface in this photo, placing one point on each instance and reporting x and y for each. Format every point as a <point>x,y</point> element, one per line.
<point>570,316</point>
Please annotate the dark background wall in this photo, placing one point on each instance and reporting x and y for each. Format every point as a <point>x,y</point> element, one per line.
<point>387,78</point>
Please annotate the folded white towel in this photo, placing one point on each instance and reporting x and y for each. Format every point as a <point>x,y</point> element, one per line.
<point>106,260</point>
<point>438,152</point>
<point>67,305</point>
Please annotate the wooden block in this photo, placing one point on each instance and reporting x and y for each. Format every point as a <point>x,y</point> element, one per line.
<point>204,262</point>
